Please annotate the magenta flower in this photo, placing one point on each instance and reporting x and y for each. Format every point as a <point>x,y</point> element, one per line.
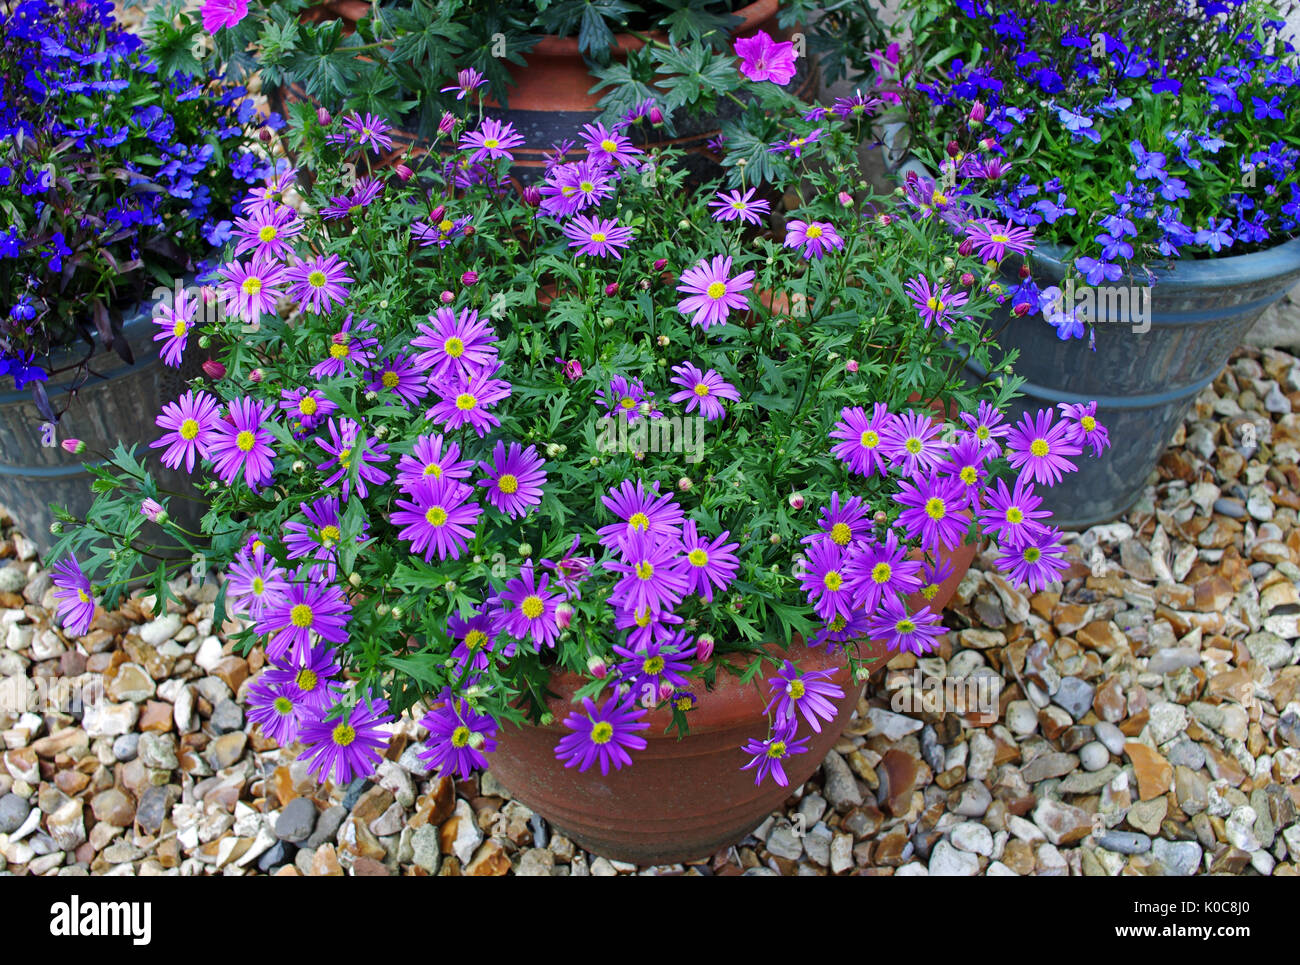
<point>191,423</point>
<point>933,510</point>
<point>993,240</point>
<point>571,570</point>
<point>222,14</point>
<point>346,347</point>
<point>843,524</point>
<point>267,232</point>
<point>1012,516</point>
<point>363,130</point>
<point>708,563</point>
<point>399,380</point>
<point>438,518</point>
<point>311,683</point>
<point>934,303</point>
<point>254,582</point>
<point>877,571</point>
<point>72,596</point>
<point>459,737</point>
<point>569,188</point>
<point>603,734</point>
<point>347,746</point>
<point>252,288</point>
<point>702,390</point>
<point>346,448</point>
<point>903,631</point>
<point>532,616</point>
<point>319,283</point>
<point>651,575</point>
<point>1039,449</point>
<point>608,147</point>
<point>814,237</point>
<point>492,140</point>
<point>455,344</point>
<point>1036,563</point>
<point>986,426</point>
<point>769,753</point>
<point>274,709</point>
<point>824,580</point>
<point>1082,427</point>
<point>712,295</point>
<point>466,402</point>
<point>318,538</point>
<point>432,457</point>
<point>467,81</point>
<point>912,442</point>
<point>640,511</point>
<point>861,438</point>
<point>305,609</point>
<point>628,398</point>
<point>795,145</point>
<point>648,666</point>
<point>175,317</point>
<point>354,204</point>
<point>308,406</point>
<point>515,479</point>
<point>762,58</point>
<point>810,695</point>
<point>243,445</point>
<point>733,206</point>
<point>600,237</point>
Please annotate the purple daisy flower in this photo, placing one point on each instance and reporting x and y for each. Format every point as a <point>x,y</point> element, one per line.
<point>651,575</point>
<point>768,754</point>
<point>252,288</point>
<point>877,570</point>
<point>319,283</point>
<point>466,402</point>
<point>312,684</point>
<point>346,447</point>
<point>571,570</point>
<point>609,147</point>
<point>764,59</point>
<point>702,390</point>
<point>861,437</point>
<point>175,317</point>
<point>992,240</point>
<point>438,518</point>
<point>1012,516</point>
<point>319,537</point>
<point>644,625</point>
<point>467,81</point>
<point>242,444</point>
<point>459,737</point>
<point>533,614</point>
<point>795,145</point>
<point>824,580</point>
<point>856,107</point>
<point>399,379</point>
<point>934,303</point>
<point>933,576</point>
<point>649,666</point>
<point>515,479</point>
<point>476,639</point>
<point>810,695</point>
<point>733,205</point>
<point>986,425</point>
<point>903,631</point>
<point>570,188</point>
<point>492,140</point>
<point>304,609</point>
<point>712,294</point>
<point>254,581</point>
<point>626,397</point>
<point>190,422</point>
<point>1039,449</point>
<point>455,344</point>
<point>816,238</point>
<point>653,513</point>
<point>933,512</point>
<point>432,456</point>
<point>347,746</point>
<point>840,631</point>
<point>707,563</point>
<point>912,442</point>
<point>603,734</point>
<point>72,596</point>
<point>273,708</point>
<point>1082,427</point>
<point>599,237</point>
<point>268,231</point>
<point>842,525</point>
<point>348,346</point>
<point>363,130</point>
<point>1036,563</point>
<point>308,407</point>
<point>354,204</point>
<point>965,463</point>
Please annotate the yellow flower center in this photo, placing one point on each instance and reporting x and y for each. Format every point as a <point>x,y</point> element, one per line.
<point>935,508</point>
<point>491,142</point>
<point>343,735</point>
<point>308,405</point>
<point>653,666</point>
<point>814,231</point>
<point>532,607</point>
<point>968,475</point>
<point>795,689</point>
<point>436,516</point>
<point>701,390</point>
<point>189,429</point>
<point>1014,515</point>
<point>905,626</point>
<point>982,433</point>
<point>832,580</point>
<point>252,285</point>
<point>307,679</point>
<point>316,279</point>
<point>598,236</point>
<point>508,484</point>
<point>1039,448</point>
<point>245,441</point>
<point>999,238</point>
<point>869,440</point>
<point>475,639</point>
<point>841,534</point>
<point>259,586</point>
<point>301,616</point>
<point>283,705</point>
<point>81,595</point>
<point>1088,423</point>
<point>639,521</point>
<point>465,402</point>
<point>602,733</point>
<point>434,470</point>
<point>776,749</point>
<point>445,225</point>
<point>645,570</point>
<point>837,624</point>
<point>345,458</point>
<point>717,290</point>
<point>586,187</point>
<point>179,329</point>
<point>267,233</point>
<point>389,380</point>
<point>642,617</point>
<point>608,145</point>
<point>329,535</point>
<point>882,573</point>
<point>1033,554</point>
<point>627,402</point>
<point>913,445</point>
<point>338,351</point>
<point>454,347</point>
<point>460,736</point>
<point>698,557</point>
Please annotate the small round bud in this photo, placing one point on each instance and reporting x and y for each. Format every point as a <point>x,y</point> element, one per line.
<point>685,484</point>
<point>450,586</point>
<point>775,539</point>
<point>355,580</point>
<point>796,500</point>
<point>525,550</point>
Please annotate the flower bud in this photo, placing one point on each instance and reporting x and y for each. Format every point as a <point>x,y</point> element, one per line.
<point>447,124</point>
<point>977,114</point>
<point>967,279</point>
<point>845,198</point>
<point>660,264</point>
<point>469,278</point>
<point>884,220</point>
<point>988,144</point>
<point>611,289</point>
<point>403,172</point>
<point>214,369</point>
<point>953,148</point>
<point>1021,310</point>
<point>436,214</point>
<point>966,247</point>
<point>476,740</point>
<point>703,647</point>
<point>532,195</point>
<point>299,466</point>
<point>684,484</point>
<point>397,613</point>
<point>665,690</point>
<point>851,366</point>
<point>450,586</point>
<point>663,341</point>
<point>255,375</point>
<point>264,136</point>
<point>323,117</point>
<point>775,539</point>
<point>355,580</point>
<point>563,616</point>
<point>547,719</point>
<point>1024,272</point>
<point>597,667</point>
<point>525,550</point>
<point>447,297</point>
<point>152,510</point>
<point>56,528</point>
<point>552,449</point>
<point>74,446</point>
<point>796,501</point>
<point>656,116</point>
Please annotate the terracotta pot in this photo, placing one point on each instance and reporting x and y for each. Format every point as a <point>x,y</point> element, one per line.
<point>551,99</point>
<point>680,799</point>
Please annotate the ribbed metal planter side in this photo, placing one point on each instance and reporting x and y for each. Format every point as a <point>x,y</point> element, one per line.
<point>1144,382</point>
<point>116,402</point>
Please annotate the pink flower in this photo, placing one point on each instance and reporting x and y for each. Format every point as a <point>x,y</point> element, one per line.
<point>222,13</point>
<point>762,58</point>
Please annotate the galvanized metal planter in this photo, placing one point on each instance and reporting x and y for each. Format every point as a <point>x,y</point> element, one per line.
<point>116,402</point>
<point>1144,382</point>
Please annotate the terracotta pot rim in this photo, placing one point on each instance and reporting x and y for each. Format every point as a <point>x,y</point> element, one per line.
<point>752,14</point>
